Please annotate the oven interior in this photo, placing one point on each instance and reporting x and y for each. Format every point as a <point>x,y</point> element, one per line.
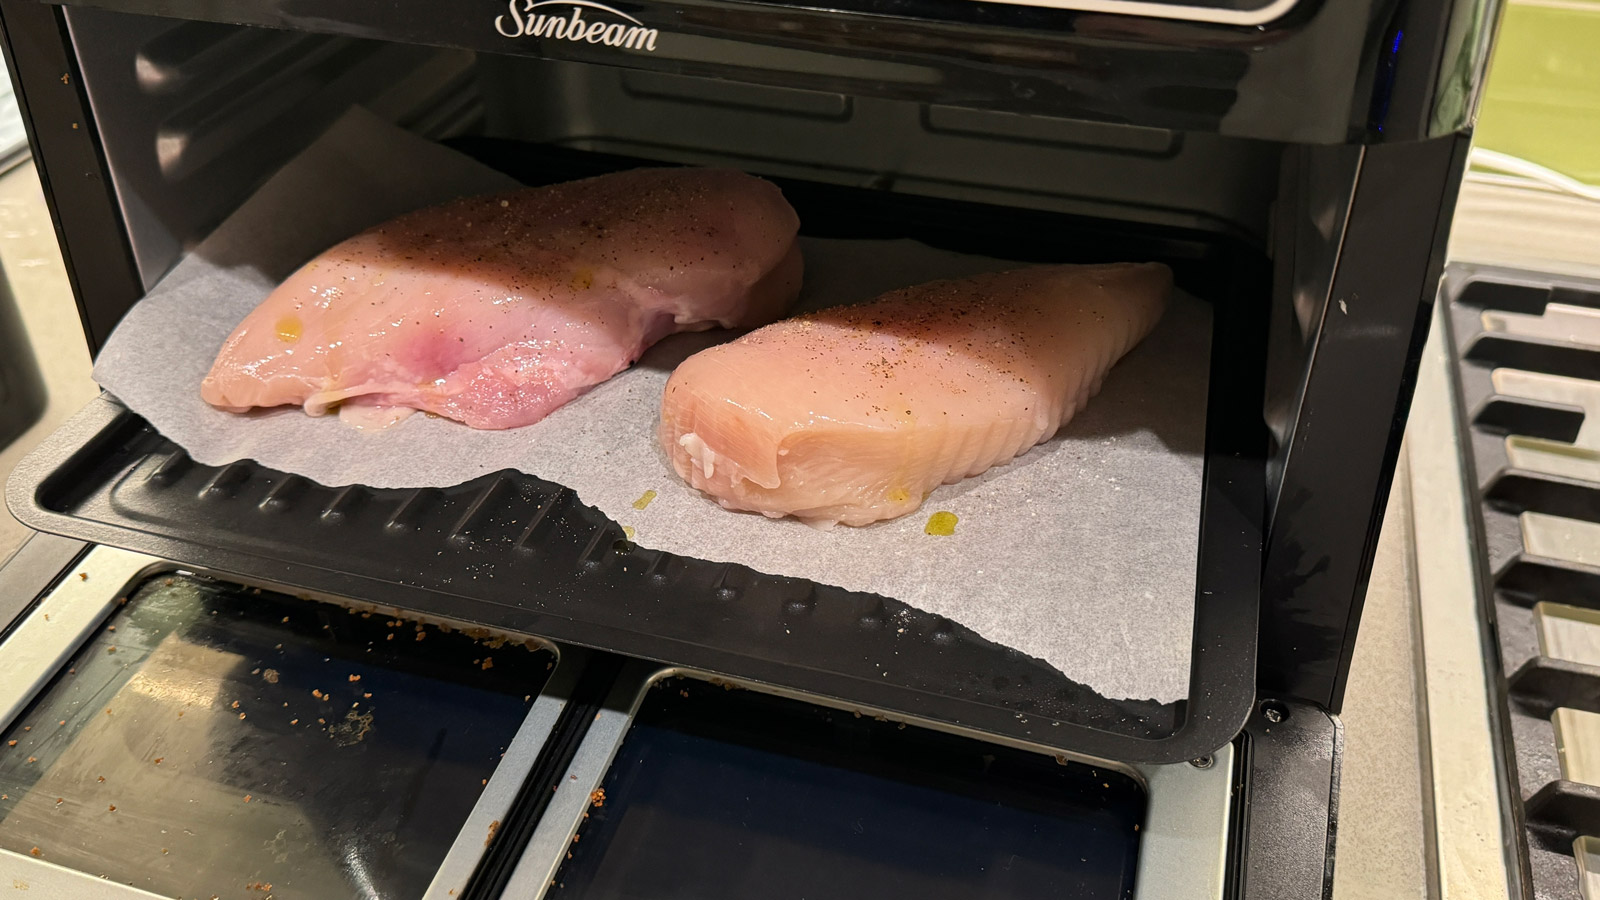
<point>206,112</point>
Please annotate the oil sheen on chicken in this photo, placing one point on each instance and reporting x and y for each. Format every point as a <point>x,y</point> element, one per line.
<point>855,414</point>
<point>496,310</point>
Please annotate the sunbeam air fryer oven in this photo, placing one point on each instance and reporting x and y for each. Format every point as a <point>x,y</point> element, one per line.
<point>1294,161</point>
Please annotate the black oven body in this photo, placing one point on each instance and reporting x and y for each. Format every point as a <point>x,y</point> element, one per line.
<point>1296,161</point>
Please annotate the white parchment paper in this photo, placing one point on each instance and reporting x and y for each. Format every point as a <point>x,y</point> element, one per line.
<point>1081,552</point>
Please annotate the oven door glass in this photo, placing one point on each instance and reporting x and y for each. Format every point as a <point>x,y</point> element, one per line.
<point>720,793</point>
<point>212,739</point>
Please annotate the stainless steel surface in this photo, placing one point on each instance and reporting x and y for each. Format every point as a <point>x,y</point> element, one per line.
<point>41,644</point>
<point>29,657</point>
<point>31,878</point>
<point>1466,796</point>
<point>87,593</point>
<point>495,801</point>
<point>547,847</point>
<point>1182,853</point>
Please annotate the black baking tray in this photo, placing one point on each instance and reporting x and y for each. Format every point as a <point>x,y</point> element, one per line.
<point>1548,810</point>
<point>514,552</point>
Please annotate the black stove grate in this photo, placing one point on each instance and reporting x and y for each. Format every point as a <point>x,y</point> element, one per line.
<point>1553,810</point>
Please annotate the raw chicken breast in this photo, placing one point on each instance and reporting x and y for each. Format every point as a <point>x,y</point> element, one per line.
<point>855,414</point>
<point>496,310</point>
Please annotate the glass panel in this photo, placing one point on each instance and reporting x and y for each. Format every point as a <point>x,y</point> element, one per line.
<point>737,794</point>
<point>218,740</point>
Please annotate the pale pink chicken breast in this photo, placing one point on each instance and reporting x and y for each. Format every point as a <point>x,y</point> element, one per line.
<point>855,414</point>
<point>496,310</point>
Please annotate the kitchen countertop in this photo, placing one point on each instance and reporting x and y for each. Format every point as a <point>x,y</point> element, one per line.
<point>31,261</point>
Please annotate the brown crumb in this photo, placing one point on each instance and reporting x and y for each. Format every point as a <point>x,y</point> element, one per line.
<point>247,798</point>
<point>389,636</point>
<point>102,778</point>
<point>27,728</point>
<point>33,759</point>
<point>163,850</point>
<point>270,676</point>
<point>34,851</point>
<point>493,827</point>
<point>111,628</point>
<point>111,808</point>
<point>62,722</point>
<point>83,576</point>
<point>235,705</point>
<point>285,620</point>
<point>488,662</point>
<point>421,635</point>
<point>11,743</point>
<point>322,721</point>
<point>598,798</point>
<point>317,693</point>
<point>683,693</point>
<point>366,696</point>
<point>241,716</point>
<point>167,583</point>
<point>258,886</point>
<point>355,677</point>
<point>486,781</point>
<point>111,649</point>
<point>294,721</point>
<point>108,710</point>
<point>60,800</point>
<point>180,713</point>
